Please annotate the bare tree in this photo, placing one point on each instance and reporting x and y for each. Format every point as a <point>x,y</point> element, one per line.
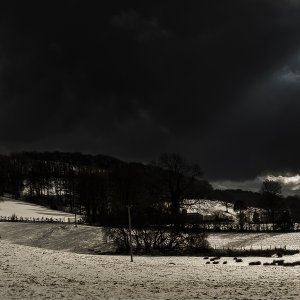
<point>179,176</point>
<point>271,192</point>
<point>240,207</point>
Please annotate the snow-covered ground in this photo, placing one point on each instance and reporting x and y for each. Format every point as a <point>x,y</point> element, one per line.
<point>83,238</point>
<point>50,269</point>
<point>8,207</point>
<point>65,237</point>
<point>208,207</point>
<point>255,240</point>
<point>33,273</point>
<point>211,208</point>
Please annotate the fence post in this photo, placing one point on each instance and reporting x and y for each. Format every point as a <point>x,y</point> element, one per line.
<point>130,236</point>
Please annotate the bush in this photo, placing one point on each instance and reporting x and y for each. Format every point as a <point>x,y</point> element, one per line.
<point>158,241</point>
<point>14,217</point>
<point>196,242</point>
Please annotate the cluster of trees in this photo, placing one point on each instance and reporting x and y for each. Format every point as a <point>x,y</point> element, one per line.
<point>158,241</point>
<point>275,209</point>
<point>101,187</point>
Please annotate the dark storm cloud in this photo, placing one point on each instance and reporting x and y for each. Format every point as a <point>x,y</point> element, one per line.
<point>217,81</point>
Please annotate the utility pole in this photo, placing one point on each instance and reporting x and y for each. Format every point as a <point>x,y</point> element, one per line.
<point>129,227</point>
<point>75,219</point>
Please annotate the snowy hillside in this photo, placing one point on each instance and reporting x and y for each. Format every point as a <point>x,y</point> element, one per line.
<point>8,207</point>
<point>264,240</point>
<point>55,236</point>
<point>210,208</point>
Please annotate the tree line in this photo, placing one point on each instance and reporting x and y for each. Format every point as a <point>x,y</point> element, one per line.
<point>276,214</point>
<point>101,187</point>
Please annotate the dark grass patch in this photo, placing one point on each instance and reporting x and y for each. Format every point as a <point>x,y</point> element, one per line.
<point>252,252</point>
<point>254,263</point>
<point>278,262</point>
<point>288,264</point>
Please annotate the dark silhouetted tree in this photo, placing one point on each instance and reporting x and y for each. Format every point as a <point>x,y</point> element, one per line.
<point>271,192</point>
<point>255,217</point>
<point>240,207</point>
<point>179,178</point>
<point>285,221</point>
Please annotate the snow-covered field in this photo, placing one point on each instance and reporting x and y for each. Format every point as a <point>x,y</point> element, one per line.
<point>50,269</point>
<point>211,208</point>
<point>8,207</point>
<point>33,273</point>
<point>65,237</point>
<point>208,207</point>
<point>255,240</point>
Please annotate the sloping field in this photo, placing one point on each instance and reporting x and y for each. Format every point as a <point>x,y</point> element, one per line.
<point>32,273</point>
<point>255,240</point>
<point>90,239</point>
<point>209,207</point>
<point>35,273</point>
<point>65,237</point>
<point>8,207</point>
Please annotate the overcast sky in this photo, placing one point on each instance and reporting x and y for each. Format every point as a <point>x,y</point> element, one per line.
<point>217,81</point>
